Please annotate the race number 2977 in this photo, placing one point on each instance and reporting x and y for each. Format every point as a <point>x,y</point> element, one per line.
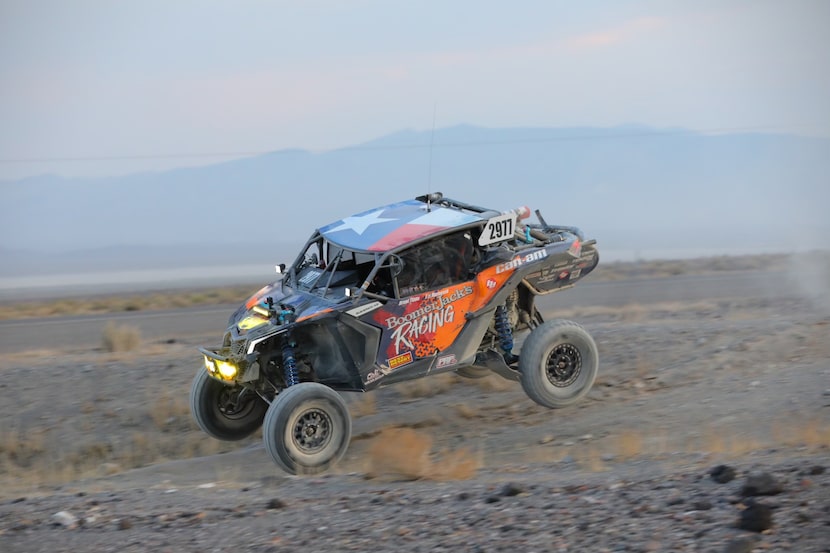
<point>498,229</point>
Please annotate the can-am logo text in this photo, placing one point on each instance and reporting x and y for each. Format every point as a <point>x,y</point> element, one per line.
<point>520,260</point>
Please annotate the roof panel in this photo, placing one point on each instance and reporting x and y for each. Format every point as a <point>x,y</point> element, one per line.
<point>389,227</point>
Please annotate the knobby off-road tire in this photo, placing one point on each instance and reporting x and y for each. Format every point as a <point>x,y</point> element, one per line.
<point>220,410</point>
<point>558,363</point>
<point>307,428</point>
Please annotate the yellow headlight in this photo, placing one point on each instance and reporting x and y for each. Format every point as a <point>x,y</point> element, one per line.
<point>227,370</point>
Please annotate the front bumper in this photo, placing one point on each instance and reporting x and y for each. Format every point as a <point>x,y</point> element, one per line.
<point>228,369</point>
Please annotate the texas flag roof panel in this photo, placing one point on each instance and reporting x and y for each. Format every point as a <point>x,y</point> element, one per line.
<point>392,226</point>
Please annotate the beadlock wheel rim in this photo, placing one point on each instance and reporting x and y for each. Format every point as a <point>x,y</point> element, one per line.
<point>312,431</point>
<point>563,365</point>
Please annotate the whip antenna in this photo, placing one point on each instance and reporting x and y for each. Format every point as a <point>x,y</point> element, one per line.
<point>431,139</point>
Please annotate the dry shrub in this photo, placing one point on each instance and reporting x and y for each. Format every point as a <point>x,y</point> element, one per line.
<point>714,441</point>
<point>658,442</point>
<point>117,303</point>
<point>633,313</point>
<point>118,338</point>
<point>21,449</point>
<point>591,460</point>
<point>629,444</point>
<point>88,407</point>
<point>466,412</point>
<point>741,445</point>
<point>403,453</point>
<point>362,405</point>
<point>167,407</point>
<point>814,433</point>
<point>810,433</point>
<point>460,464</point>
<point>645,366</point>
<point>428,386</point>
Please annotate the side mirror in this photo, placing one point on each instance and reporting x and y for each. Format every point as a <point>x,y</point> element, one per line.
<point>280,269</point>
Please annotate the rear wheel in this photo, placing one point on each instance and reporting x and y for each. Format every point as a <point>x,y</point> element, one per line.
<point>307,428</point>
<point>225,412</point>
<point>558,363</point>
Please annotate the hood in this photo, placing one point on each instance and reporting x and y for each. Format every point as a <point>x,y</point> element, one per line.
<point>254,312</point>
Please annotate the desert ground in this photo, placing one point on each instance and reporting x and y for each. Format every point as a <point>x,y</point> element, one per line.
<point>707,430</point>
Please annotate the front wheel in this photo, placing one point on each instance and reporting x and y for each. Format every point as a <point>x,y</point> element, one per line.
<point>225,412</point>
<point>307,428</point>
<point>558,363</point>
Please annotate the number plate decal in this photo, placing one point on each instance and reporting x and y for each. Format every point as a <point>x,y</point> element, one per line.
<point>498,229</point>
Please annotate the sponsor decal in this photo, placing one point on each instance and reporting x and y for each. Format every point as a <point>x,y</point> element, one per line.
<point>400,360</point>
<point>576,248</point>
<point>432,315</point>
<point>376,374</point>
<point>446,361</point>
<point>309,278</point>
<point>575,273</point>
<point>563,275</point>
<point>520,260</point>
<point>415,288</point>
<point>364,309</point>
<point>491,283</point>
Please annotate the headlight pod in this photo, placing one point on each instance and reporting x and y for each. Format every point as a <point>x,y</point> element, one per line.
<point>221,369</point>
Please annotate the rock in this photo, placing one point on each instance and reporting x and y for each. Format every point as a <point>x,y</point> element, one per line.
<point>65,519</point>
<point>123,524</point>
<point>761,483</point>
<point>802,517</point>
<point>757,517</point>
<point>492,499</point>
<point>510,489</point>
<point>815,470</point>
<point>108,469</point>
<point>702,505</point>
<point>275,503</point>
<point>722,474</point>
<point>546,439</point>
<point>743,544</point>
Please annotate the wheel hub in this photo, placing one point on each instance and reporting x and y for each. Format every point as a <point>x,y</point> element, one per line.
<point>235,403</point>
<point>563,365</point>
<point>312,431</point>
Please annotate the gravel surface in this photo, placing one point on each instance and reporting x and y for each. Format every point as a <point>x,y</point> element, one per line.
<point>536,508</point>
<point>707,430</point>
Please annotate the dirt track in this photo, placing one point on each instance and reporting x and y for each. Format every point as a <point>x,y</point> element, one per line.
<point>684,386</point>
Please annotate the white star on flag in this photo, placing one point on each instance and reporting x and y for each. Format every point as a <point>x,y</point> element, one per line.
<point>361,223</point>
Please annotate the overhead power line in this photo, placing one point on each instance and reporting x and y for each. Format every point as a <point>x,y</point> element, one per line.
<point>379,147</point>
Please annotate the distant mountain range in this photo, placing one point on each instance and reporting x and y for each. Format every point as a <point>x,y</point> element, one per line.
<point>634,188</point>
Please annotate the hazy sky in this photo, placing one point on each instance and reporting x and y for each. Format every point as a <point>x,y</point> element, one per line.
<point>155,80</point>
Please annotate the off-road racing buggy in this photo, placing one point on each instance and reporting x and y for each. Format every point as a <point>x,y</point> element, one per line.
<point>400,292</point>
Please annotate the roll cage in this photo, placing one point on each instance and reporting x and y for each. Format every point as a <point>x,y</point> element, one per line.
<point>339,274</point>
